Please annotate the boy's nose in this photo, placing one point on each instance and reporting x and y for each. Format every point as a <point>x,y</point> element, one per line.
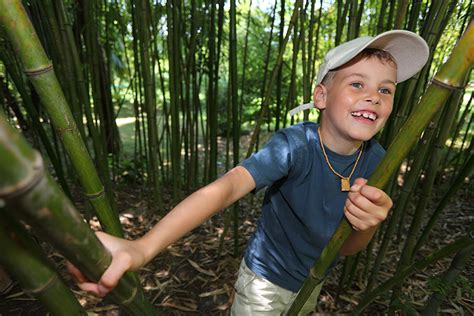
<point>373,98</point>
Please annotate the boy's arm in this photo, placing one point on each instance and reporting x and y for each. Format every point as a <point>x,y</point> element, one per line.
<point>187,215</point>
<point>366,207</point>
<point>195,209</point>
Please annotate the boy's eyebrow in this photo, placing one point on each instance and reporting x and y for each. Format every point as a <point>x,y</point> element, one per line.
<point>365,77</point>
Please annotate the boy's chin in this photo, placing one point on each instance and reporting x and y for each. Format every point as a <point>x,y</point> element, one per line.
<point>363,137</point>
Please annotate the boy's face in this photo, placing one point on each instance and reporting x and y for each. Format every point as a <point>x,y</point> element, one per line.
<point>357,101</point>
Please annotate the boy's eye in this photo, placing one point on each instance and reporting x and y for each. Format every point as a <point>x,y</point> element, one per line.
<point>357,85</point>
<point>385,91</point>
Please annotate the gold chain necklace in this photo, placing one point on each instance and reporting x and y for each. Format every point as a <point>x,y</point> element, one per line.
<point>345,181</point>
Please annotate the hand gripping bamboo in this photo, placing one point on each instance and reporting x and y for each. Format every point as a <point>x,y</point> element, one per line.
<point>30,194</point>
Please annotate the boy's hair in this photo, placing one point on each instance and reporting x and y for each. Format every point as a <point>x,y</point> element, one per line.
<point>381,55</point>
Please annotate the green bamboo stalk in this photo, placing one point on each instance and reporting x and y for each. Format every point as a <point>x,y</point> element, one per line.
<point>233,82</point>
<point>24,260</point>
<point>83,95</point>
<point>175,91</point>
<point>396,217</point>
<point>455,134</point>
<point>464,140</point>
<point>444,252</point>
<point>279,82</point>
<point>60,50</point>
<point>291,97</point>
<point>450,76</point>
<point>391,13</point>
<point>413,88</point>
<point>342,8</point>
<point>455,269</point>
<point>401,14</point>
<point>427,187</point>
<point>266,63</point>
<point>33,114</point>
<point>40,71</point>
<point>31,195</point>
<point>268,89</point>
<point>143,26</point>
<point>459,181</point>
<point>381,17</point>
<point>307,61</point>
<point>414,16</point>
<point>191,120</point>
<point>351,26</point>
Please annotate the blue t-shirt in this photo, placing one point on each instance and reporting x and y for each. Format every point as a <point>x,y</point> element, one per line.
<point>303,204</point>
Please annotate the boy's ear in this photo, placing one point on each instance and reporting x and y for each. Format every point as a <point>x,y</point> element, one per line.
<point>319,96</point>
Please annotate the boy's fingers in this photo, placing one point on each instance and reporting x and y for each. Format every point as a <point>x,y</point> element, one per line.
<point>358,213</point>
<point>376,196</point>
<point>356,223</point>
<point>92,288</point>
<point>75,273</point>
<point>118,266</point>
<point>360,200</point>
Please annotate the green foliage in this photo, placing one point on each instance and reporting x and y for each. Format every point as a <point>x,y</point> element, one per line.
<point>436,284</point>
<point>404,304</point>
<point>466,286</point>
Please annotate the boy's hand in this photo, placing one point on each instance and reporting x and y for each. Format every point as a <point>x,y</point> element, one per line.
<point>366,206</point>
<point>126,256</point>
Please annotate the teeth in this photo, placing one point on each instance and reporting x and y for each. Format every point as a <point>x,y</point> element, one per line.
<point>367,115</point>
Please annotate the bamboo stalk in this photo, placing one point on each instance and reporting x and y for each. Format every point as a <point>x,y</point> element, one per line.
<point>33,114</point>
<point>32,195</point>
<point>410,181</point>
<point>459,181</point>
<point>279,82</point>
<point>143,26</point>
<point>23,259</point>
<point>444,252</point>
<point>174,54</point>
<point>450,76</point>
<point>268,89</point>
<point>455,269</point>
<point>427,186</point>
<point>40,71</point>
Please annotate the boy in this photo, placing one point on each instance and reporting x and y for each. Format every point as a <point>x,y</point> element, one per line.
<point>315,175</point>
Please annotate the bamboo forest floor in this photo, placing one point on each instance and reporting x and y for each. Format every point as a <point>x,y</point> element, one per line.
<point>190,279</point>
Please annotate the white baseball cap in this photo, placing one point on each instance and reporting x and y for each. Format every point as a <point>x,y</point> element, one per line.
<point>409,50</point>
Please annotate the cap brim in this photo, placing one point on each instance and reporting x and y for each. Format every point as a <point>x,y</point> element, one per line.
<point>409,50</point>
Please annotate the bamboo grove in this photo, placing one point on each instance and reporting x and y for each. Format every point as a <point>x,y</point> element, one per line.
<point>167,95</point>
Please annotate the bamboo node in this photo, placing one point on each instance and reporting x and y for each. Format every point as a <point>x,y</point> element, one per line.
<point>96,195</point>
<point>40,71</point>
<point>26,184</point>
<point>446,85</point>
<point>62,131</point>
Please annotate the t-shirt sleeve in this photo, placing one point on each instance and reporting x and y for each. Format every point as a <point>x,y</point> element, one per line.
<point>270,163</point>
<point>377,154</point>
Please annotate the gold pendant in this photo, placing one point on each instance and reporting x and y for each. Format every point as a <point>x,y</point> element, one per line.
<point>345,184</point>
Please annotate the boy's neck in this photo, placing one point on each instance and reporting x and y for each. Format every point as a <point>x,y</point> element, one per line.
<point>339,145</point>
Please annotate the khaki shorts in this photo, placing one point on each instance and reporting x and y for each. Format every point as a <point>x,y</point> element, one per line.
<point>255,295</point>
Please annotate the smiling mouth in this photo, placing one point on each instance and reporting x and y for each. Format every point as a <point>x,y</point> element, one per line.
<point>367,115</point>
